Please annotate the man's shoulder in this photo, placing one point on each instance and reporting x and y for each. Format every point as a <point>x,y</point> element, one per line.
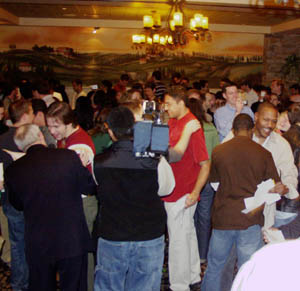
<point>80,137</point>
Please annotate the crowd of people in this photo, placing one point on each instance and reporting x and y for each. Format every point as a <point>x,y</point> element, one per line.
<point>79,207</point>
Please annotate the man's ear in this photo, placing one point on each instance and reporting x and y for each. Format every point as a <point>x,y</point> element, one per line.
<point>111,134</point>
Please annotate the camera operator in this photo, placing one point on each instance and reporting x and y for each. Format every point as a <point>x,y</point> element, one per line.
<point>131,228</point>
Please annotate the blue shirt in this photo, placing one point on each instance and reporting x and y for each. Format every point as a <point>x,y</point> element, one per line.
<point>224,116</point>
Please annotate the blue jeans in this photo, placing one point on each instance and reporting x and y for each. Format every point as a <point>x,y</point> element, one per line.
<point>247,242</point>
<point>19,267</point>
<point>202,218</point>
<point>132,265</point>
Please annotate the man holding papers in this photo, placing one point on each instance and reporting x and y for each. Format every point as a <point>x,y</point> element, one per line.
<point>239,165</point>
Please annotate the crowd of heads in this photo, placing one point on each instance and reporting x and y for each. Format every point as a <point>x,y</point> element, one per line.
<point>91,112</point>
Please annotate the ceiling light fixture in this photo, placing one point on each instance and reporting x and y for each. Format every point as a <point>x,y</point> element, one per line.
<point>156,38</point>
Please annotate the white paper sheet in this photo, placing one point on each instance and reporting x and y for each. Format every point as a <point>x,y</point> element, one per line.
<point>273,235</point>
<point>261,196</point>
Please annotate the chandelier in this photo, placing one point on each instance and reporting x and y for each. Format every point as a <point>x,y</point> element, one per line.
<point>155,38</point>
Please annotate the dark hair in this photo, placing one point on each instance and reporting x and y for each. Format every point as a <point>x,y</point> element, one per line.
<point>157,75</point>
<point>100,121</point>
<point>196,107</point>
<point>124,77</point>
<point>8,88</point>
<point>107,84</point>
<point>150,85</point>
<point>43,87</point>
<point>26,90</point>
<point>178,93</point>
<point>226,85</point>
<point>242,122</point>
<point>121,121</point>
<point>84,113</point>
<point>38,105</point>
<point>202,83</point>
<point>176,75</point>
<point>77,81</point>
<point>17,109</point>
<point>63,112</point>
<point>197,86</point>
<point>247,83</point>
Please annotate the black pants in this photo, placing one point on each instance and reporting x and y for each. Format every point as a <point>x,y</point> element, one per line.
<point>72,273</point>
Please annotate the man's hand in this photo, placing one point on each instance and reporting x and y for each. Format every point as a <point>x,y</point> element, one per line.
<point>239,105</point>
<point>279,188</point>
<point>1,185</point>
<point>191,199</point>
<point>84,157</point>
<point>265,237</point>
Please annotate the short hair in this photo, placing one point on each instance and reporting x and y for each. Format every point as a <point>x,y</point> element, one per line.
<point>150,85</point>
<point>26,135</point>
<point>242,122</point>
<point>107,84</point>
<point>121,121</point>
<point>265,105</point>
<point>157,75</point>
<point>63,112</point>
<point>17,109</point>
<point>247,83</point>
<point>178,93</point>
<point>202,83</point>
<point>176,75</point>
<point>38,105</point>
<point>124,77</point>
<point>43,87</point>
<point>77,81</point>
<point>226,85</point>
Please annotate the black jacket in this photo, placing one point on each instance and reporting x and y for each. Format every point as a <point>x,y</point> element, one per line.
<point>47,185</point>
<point>131,209</point>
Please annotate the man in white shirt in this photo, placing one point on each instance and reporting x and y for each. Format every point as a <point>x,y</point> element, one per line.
<point>77,86</point>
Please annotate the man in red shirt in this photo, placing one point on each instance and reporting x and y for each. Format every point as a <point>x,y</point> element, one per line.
<point>191,169</point>
<point>64,128</point>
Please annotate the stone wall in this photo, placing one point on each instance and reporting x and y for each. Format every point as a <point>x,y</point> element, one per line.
<point>277,48</point>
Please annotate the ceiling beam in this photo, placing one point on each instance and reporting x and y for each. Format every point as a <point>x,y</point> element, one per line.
<point>286,26</point>
<point>8,17</point>
<point>63,22</point>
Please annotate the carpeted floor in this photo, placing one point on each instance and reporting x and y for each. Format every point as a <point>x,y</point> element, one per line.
<point>5,275</point>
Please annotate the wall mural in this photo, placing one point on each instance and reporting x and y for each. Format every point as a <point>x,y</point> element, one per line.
<point>69,53</point>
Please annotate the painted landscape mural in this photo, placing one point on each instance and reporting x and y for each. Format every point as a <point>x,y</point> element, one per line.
<point>69,53</point>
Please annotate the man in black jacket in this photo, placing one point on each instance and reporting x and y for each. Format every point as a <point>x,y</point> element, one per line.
<point>48,190</point>
<point>132,225</point>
